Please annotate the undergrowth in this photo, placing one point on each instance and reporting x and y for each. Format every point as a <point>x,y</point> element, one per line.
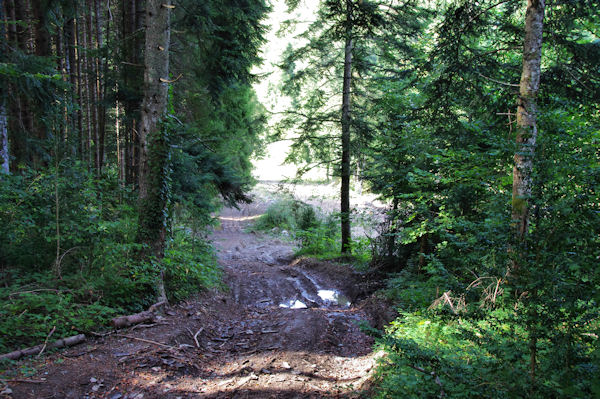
<point>318,233</point>
<point>97,274</point>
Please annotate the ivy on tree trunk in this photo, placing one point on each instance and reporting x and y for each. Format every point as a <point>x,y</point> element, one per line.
<point>154,154</point>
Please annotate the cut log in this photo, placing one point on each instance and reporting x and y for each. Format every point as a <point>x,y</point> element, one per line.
<point>142,317</point>
<point>61,343</point>
<point>126,321</point>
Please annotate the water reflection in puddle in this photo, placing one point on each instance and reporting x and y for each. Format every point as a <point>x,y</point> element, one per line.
<point>293,304</point>
<point>334,296</point>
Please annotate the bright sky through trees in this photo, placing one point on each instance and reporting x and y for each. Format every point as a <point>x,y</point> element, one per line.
<point>271,167</point>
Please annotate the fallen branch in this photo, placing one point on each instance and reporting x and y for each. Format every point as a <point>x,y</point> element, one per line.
<point>147,341</point>
<point>22,381</point>
<point>146,316</point>
<point>149,325</point>
<point>195,336</point>
<point>101,335</point>
<point>61,343</point>
<point>46,341</point>
<point>126,321</point>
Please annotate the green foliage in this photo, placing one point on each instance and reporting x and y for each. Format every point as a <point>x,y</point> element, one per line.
<point>98,273</point>
<point>476,358</point>
<point>222,122</point>
<point>317,233</point>
<point>211,154</point>
<point>30,311</point>
<point>190,265</point>
<point>287,214</point>
<point>442,155</point>
<point>473,367</point>
<point>76,232</point>
<point>36,79</point>
<point>321,240</point>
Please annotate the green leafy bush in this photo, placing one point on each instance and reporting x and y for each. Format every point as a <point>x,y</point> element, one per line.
<point>288,214</point>
<point>190,265</point>
<point>320,241</point>
<point>98,272</point>
<point>318,233</point>
<point>475,358</point>
<point>33,306</point>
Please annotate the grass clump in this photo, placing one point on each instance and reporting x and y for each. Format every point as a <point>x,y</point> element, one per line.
<point>318,233</point>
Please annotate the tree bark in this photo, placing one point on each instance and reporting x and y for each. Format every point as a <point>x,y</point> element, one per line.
<point>85,89</point>
<point>527,117</point>
<point>79,68</point>
<point>21,120</point>
<point>71,64</point>
<point>4,159</point>
<point>132,50</point>
<point>147,315</point>
<point>92,84</point>
<point>154,154</point>
<point>42,34</point>
<point>526,140</point>
<point>102,68</point>
<point>345,172</point>
<point>10,16</point>
<point>61,343</point>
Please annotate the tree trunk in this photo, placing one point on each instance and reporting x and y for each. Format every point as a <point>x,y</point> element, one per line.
<point>21,120</point>
<point>526,139</point>
<point>71,63</point>
<point>527,116</point>
<point>10,16</point>
<point>102,68</point>
<point>132,17</point>
<point>78,69</point>
<point>92,84</point>
<point>3,116</point>
<point>42,34</point>
<point>85,90</point>
<point>154,154</point>
<point>345,175</point>
<point>4,158</point>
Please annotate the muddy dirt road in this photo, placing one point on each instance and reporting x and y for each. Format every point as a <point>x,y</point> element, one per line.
<point>283,329</point>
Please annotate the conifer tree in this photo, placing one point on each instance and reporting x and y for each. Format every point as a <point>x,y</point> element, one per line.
<point>322,92</point>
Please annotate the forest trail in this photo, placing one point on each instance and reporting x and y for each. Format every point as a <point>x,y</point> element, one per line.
<point>282,329</point>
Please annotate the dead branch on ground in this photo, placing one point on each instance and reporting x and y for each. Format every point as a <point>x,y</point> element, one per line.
<point>142,317</point>
<point>61,343</point>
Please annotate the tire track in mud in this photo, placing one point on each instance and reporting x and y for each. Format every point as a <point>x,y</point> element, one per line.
<point>303,311</point>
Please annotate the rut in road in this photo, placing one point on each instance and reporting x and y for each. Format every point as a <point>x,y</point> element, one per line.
<point>282,329</point>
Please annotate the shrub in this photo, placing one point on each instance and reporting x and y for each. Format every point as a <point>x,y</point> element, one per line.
<point>288,214</point>
<point>190,265</point>
<point>98,273</point>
